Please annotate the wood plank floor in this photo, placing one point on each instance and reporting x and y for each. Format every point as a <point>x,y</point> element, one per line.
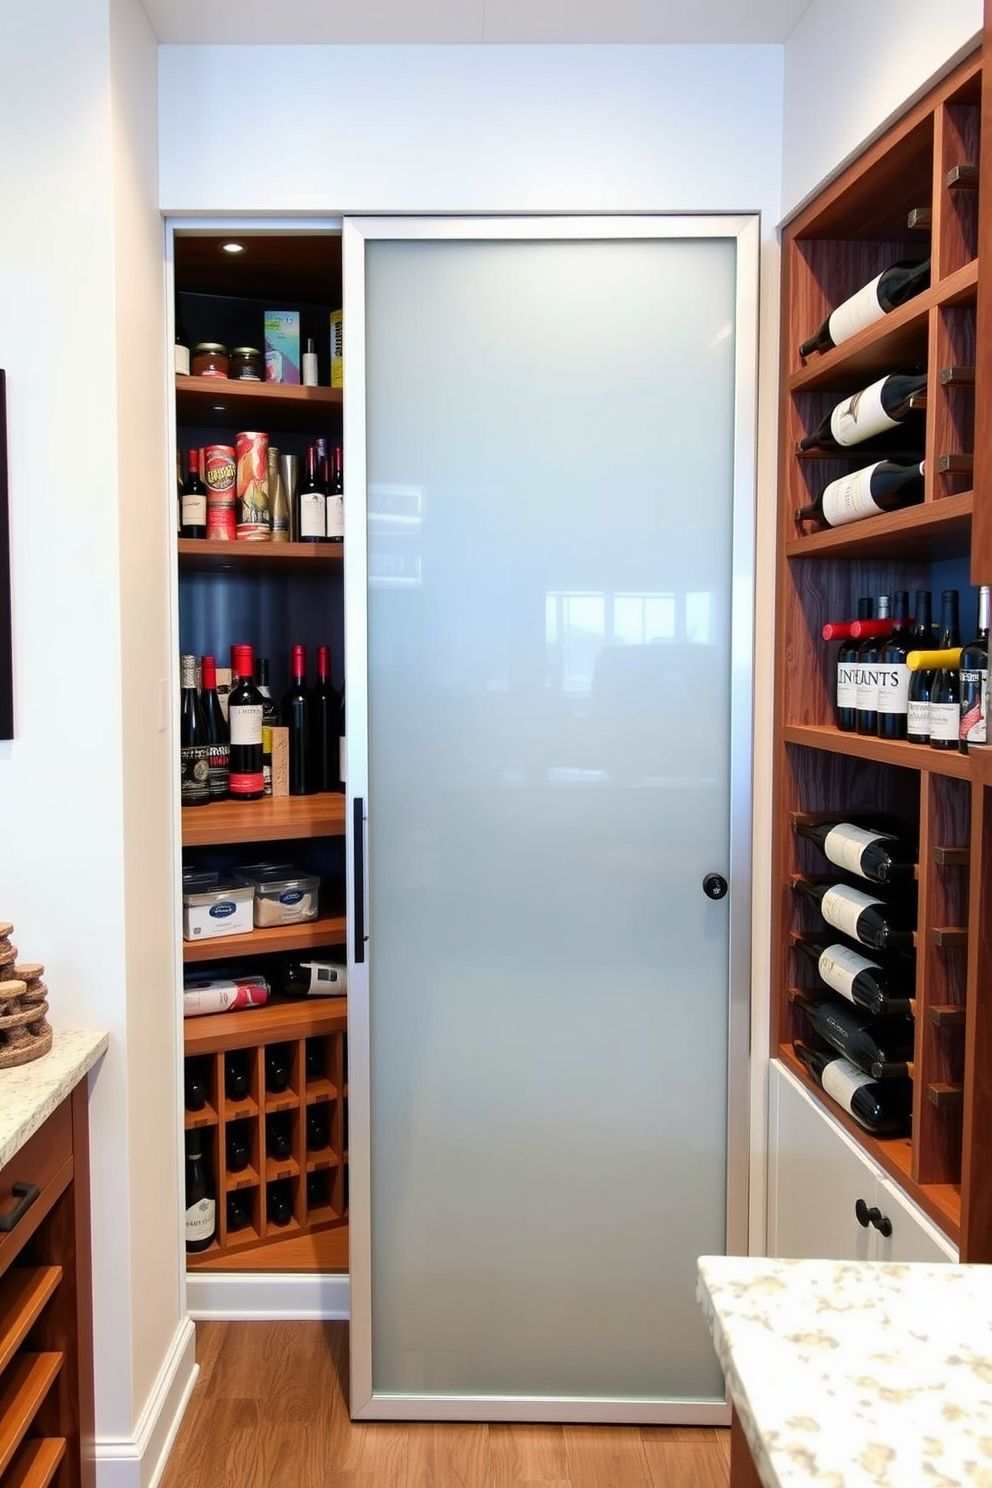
<point>269,1410</point>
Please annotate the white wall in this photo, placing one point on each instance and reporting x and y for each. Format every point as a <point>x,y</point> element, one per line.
<point>85,841</point>
<point>850,65</point>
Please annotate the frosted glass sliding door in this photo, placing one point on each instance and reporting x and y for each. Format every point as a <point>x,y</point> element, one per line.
<point>549,451</point>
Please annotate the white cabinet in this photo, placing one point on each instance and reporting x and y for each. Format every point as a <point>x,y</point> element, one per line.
<point>817,1175</point>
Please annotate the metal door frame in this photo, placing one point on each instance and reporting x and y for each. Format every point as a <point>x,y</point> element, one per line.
<point>745,231</point>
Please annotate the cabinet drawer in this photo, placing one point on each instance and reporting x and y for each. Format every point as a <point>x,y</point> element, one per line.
<point>45,1161</point>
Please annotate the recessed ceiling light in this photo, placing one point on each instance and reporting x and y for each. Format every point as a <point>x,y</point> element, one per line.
<point>233,247</point>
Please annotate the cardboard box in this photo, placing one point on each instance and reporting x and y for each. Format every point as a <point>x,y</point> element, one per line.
<point>280,761</point>
<point>282,346</point>
<point>337,349</point>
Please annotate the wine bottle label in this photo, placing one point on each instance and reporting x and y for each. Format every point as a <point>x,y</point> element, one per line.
<point>335,516</point>
<point>841,1078</point>
<point>327,979</point>
<point>861,416</point>
<point>845,844</point>
<point>847,684</point>
<point>194,774</point>
<point>201,1220</point>
<point>893,688</point>
<point>839,966</point>
<point>945,721</point>
<point>219,773</point>
<point>311,514</point>
<point>918,720</point>
<point>849,499</point>
<point>246,724</point>
<point>195,510</point>
<point>861,310</point>
<point>842,907</point>
<point>867,687</point>
<point>974,693</point>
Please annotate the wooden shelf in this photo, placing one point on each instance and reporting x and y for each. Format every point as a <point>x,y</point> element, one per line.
<point>220,403</point>
<point>23,1388</point>
<point>35,1465</point>
<point>276,1022</point>
<point>193,1120</point>
<point>321,1090</point>
<point>281,1167</point>
<point>885,751</point>
<point>24,1291</point>
<point>321,1250</point>
<point>272,819</point>
<point>208,555</point>
<point>940,529</point>
<point>327,930</point>
<point>243,1178</point>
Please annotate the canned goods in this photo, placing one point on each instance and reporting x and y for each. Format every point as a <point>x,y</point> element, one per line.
<point>254,520</point>
<point>219,478</point>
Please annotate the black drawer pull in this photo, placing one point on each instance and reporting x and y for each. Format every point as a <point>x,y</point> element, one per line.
<point>26,1193</point>
<point>873,1216</point>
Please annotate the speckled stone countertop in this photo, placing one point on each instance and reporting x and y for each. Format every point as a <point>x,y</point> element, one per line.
<point>852,1374</point>
<point>29,1093</point>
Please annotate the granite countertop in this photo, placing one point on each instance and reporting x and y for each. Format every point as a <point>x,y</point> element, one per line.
<point>29,1093</point>
<point>851,1374</point>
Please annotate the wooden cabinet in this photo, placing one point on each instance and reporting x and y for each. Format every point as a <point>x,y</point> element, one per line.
<point>907,196</point>
<point>271,595</point>
<point>46,1330</point>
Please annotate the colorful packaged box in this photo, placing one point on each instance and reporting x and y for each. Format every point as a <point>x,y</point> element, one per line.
<point>337,349</point>
<point>282,346</point>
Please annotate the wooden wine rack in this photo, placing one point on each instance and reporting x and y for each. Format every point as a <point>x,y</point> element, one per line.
<point>871,215</point>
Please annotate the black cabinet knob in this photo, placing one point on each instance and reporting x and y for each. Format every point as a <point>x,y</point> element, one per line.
<point>715,886</point>
<point>872,1216</point>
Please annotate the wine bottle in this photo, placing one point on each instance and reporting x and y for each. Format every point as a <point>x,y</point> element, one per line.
<point>864,918</point>
<point>335,500</point>
<point>298,718</point>
<point>193,503</point>
<point>310,364</point>
<point>847,671</point>
<point>945,697</point>
<point>310,497</point>
<point>270,708</point>
<point>217,735</point>
<point>868,675</point>
<point>236,1080</point>
<point>866,983</point>
<point>920,679</point>
<point>201,1195</point>
<point>244,711</point>
<point>880,1047</point>
<point>318,1127</point>
<point>278,500</point>
<point>882,1107</point>
<point>194,1085</point>
<point>315,979</point>
<point>278,1135</point>
<point>893,286</point>
<point>277,1068</point>
<point>318,1195</point>
<point>194,751</point>
<point>854,630</point>
<point>881,487</point>
<point>238,1147</point>
<point>342,748</point>
<point>973,673</point>
<point>326,706</point>
<point>181,349</point>
<point>278,1203</point>
<point>238,1212</point>
<point>873,411</point>
<point>879,857</point>
<point>893,673</point>
<point>315,1059</point>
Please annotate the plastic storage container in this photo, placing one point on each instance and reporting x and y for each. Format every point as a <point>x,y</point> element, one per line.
<point>284,894</point>
<point>215,906</point>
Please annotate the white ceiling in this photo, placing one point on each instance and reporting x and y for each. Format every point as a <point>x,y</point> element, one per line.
<point>493,21</point>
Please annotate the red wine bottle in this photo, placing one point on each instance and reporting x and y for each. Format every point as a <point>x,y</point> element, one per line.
<point>883,1107</point>
<point>327,707</point>
<point>893,286</point>
<point>277,1068</point>
<point>194,751</point>
<point>318,1127</point>
<point>973,672</point>
<point>201,1195</point>
<point>868,414</point>
<point>238,1147</point>
<point>877,856</point>
<point>244,711</point>
<point>892,707</point>
<point>868,984</point>
<point>945,697</point>
<point>920,681</point>
<point>310,501</point>
<point>854,630</point>
<point>847,672</point>
<point>195,1084</point>
<point>278,1135</point>
<point>298,718</point>
<point>881,487</point>
<point>880,1047</point>
<point>218,740</point>
<point>868,674</point>
<point>278,1203</point>
<point>238,1212</point>
<point>236,1081</point>
<point>864,918</point>
<point>193,502</point>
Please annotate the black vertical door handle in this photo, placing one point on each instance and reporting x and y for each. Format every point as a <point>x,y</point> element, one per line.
<point>358,831</point>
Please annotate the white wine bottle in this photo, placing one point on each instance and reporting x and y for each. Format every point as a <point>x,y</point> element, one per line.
<point>883,1107</point>
<point>893,286</point>
<point>868,984</point>
<point>873,411</point>
<point>877,488</point>
<point>861,916</point>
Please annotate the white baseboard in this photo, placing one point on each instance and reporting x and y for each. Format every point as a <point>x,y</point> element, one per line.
<point>260,1296</point>
<point>137,1461</point>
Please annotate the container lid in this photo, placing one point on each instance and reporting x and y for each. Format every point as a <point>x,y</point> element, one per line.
<point>200,877</point>
<point>278,876</point>
<point>222,888</point>
<point>215,347</point>
<point>246,351</point>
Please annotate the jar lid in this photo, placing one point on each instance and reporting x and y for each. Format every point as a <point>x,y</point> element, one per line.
<point>209,346</point>
<point>246,351</point>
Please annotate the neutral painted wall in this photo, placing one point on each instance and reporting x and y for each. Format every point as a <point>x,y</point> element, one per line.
<point>850,66</point>
<point>85,840</point>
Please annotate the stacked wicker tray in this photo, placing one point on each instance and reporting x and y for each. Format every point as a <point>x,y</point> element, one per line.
<point>25,1032</point>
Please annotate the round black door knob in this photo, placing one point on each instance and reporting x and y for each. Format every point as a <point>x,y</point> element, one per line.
<point>715,886</point>
<point>872,1216</point>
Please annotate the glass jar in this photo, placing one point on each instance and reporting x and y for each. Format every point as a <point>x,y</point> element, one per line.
<point>246,364</point>
<point>209,359</point>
